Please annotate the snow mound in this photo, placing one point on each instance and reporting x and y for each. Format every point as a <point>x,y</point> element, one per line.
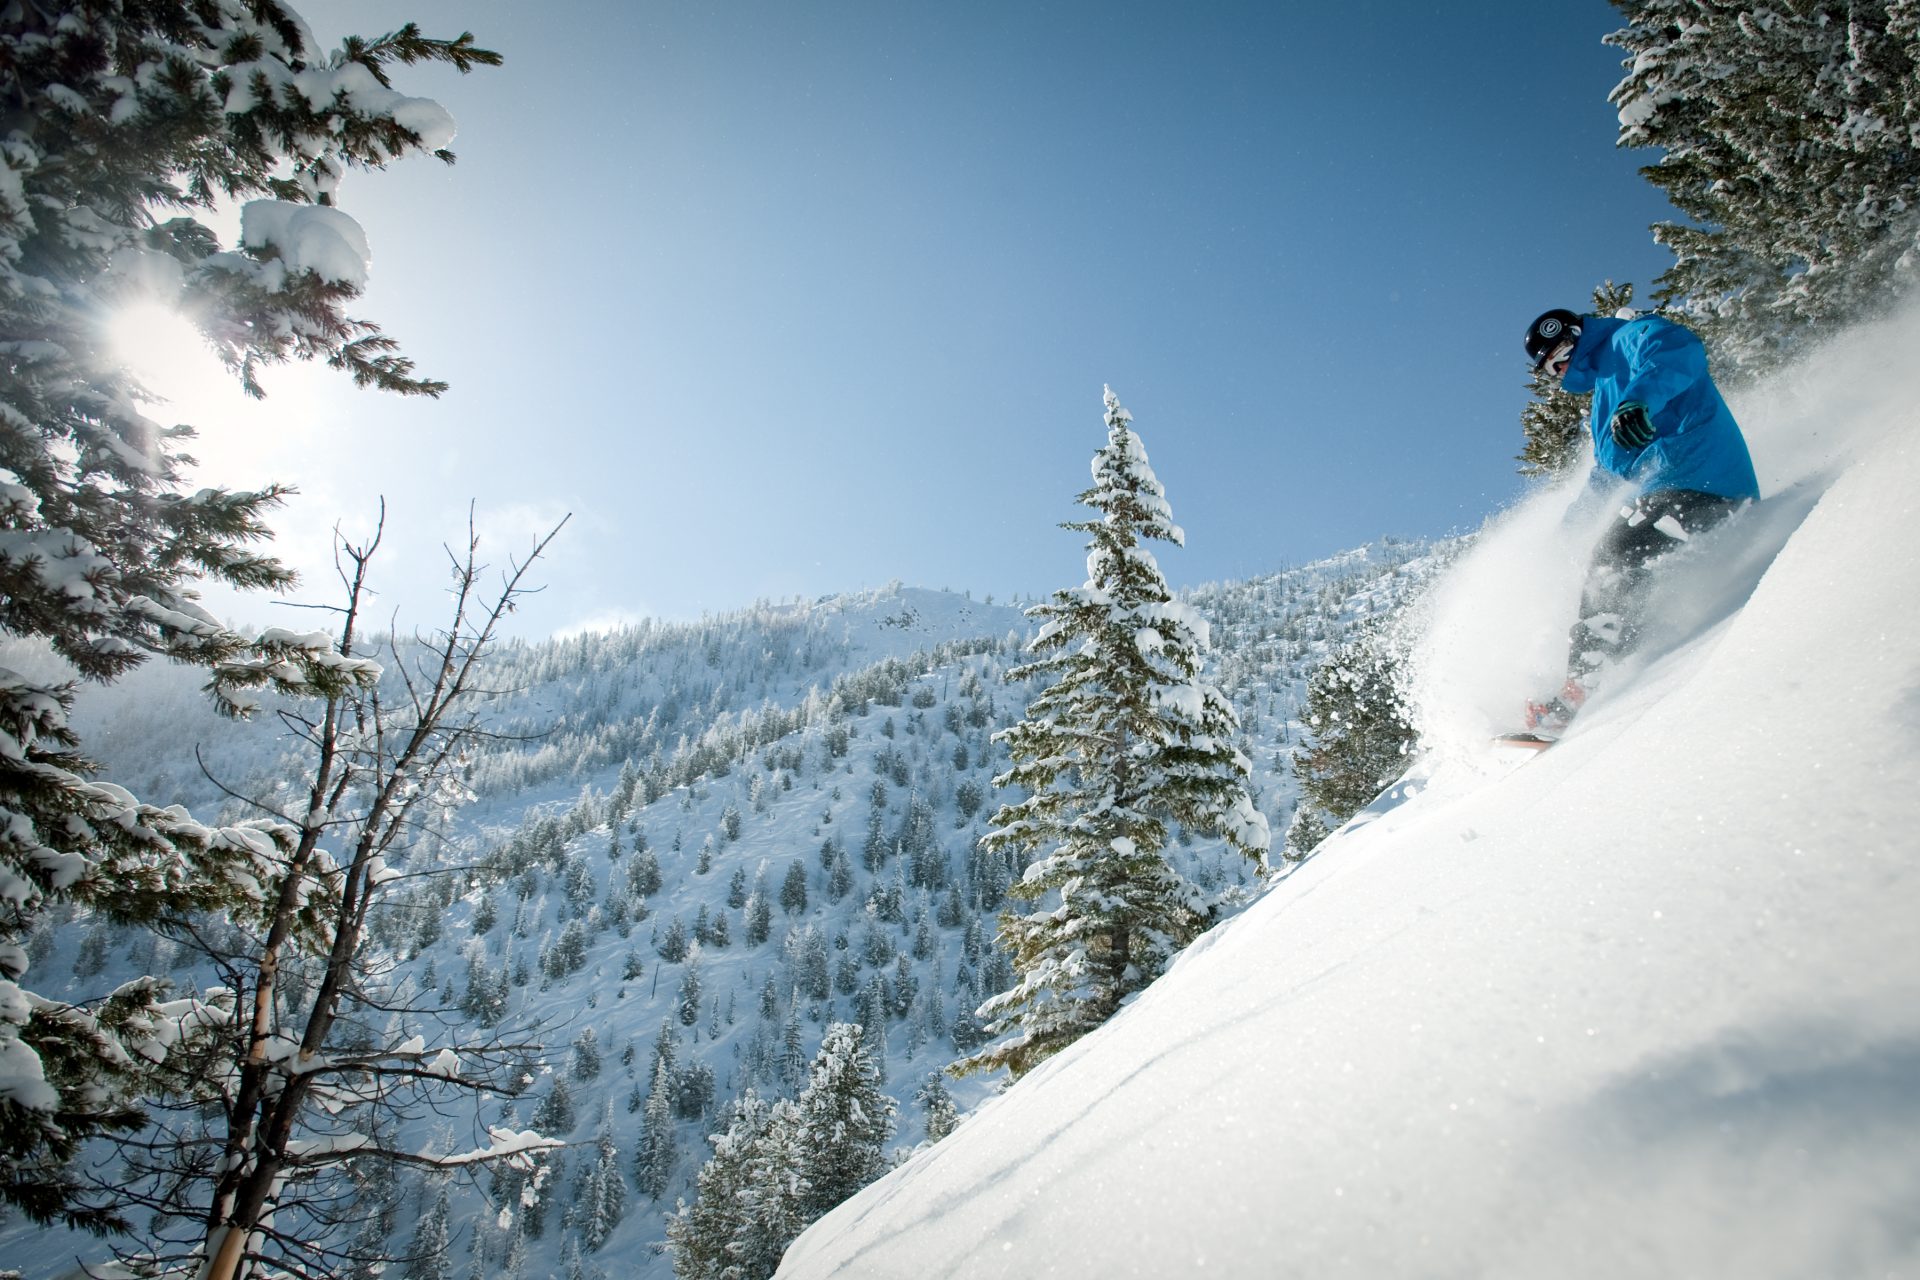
<point>1646,1005</point>
<point>308,237</point>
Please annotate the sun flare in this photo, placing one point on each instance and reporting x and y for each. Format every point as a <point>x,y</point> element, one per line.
<point>182,381</point>
<point>167,354</point>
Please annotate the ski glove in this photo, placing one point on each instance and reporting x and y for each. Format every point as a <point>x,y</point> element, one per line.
<point>1632,429</point>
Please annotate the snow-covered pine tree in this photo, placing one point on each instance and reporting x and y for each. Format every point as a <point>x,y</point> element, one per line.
<point>700,1236</point>
<point>643,873</point>
<point>846,1122</point>
<point>555,1114</point>
<point>689,998</point>
<point>793,890</point>
<point>376,1201</point>
<point>1786,136</point>
<point>125,123</point>
<point>943,1117</point>
<point>773,1202</point>
<point>585,1061</point>
<point>1554,423</point>
<point>427,1259</point>
<point>515,1265</point>
<point>792,1058</point>
<point>605,1197</point>
<point>1126,738</point>
<point>759,917</point>
<point>659,1149</point>
<point>1362,734</point>
<point>1307,828</point>
<point>754,1195</point>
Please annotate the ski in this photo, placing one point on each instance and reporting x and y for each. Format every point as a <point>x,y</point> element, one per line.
<point>1529,741</point>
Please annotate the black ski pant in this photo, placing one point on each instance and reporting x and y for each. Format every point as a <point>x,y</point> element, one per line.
<point>1613,597</point>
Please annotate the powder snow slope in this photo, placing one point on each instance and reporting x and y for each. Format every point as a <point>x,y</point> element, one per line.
<point>1647,1005</point>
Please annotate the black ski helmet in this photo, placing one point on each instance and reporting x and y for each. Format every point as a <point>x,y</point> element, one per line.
<point>1549,331</point>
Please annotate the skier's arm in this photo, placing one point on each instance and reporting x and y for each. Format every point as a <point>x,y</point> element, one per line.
<point>1666,361</point>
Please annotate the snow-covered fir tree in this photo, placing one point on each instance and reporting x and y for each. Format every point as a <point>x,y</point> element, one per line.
<point>776,1167</point>
<point>846,1122</point>
<point>556,1113</point>
<point>941,1114</point>
<point>585,1061</point>
<point>603,1196</point>
<point>659,1150</point>
<point>1786,137</point>
<point>690,990</point>
<point>1126,737</point>
<point>773,1199</point>
<point>427,1259</point>
<point>702,1236</point>
<point>1363,736</point>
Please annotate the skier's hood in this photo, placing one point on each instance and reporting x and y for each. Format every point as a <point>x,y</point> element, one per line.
<point>1583,369</point>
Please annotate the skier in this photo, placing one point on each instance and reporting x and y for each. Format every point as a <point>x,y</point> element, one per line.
<point>1659,423</point>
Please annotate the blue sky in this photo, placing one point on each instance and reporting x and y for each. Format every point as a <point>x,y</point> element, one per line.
<point>791,298</point>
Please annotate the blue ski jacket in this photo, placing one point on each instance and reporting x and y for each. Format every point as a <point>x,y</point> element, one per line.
<point>1697,444</point>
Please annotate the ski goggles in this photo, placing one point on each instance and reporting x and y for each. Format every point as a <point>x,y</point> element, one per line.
<point>1555,362</point>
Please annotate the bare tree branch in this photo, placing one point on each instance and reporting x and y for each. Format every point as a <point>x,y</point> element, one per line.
<point>296,1078</point>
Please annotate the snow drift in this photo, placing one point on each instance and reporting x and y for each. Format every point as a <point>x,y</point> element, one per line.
<point>1648,1004</point>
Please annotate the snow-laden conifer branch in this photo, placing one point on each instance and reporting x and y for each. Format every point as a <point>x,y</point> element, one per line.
<point>1786,137</point>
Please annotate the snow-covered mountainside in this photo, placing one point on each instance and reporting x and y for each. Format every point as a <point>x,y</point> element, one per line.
<point>1648,1004</point>
<point>568,707</point>
<point>728,835</point>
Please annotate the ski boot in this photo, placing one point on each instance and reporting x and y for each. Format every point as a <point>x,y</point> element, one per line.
<point>1556,713</point>
<point>1546,721</point>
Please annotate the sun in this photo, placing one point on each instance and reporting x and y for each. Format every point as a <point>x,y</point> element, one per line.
<point>166,353</point>
<point>181,380</point>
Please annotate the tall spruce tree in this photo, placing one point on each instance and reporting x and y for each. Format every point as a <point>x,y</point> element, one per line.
<point>1126,738</point>
<point>1787,136</point>
<point>125,124</point>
